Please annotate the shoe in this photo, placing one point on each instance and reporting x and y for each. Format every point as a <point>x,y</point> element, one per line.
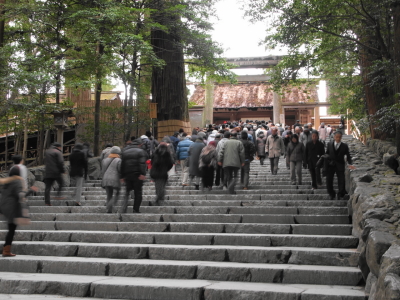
<point>185,184</point>
<point>293,183</point>
<point>196,187</point>
<point>7,252</point>
<point>78,204</point>
<point>48,204</point>
<point>136,212</point>
<point>245,188</point>
<point>332,197</point>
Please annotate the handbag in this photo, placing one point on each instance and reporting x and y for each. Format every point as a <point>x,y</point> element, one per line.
<point>172,171</point>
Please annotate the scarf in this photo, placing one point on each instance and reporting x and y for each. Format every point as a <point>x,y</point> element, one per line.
<point>208,149</point>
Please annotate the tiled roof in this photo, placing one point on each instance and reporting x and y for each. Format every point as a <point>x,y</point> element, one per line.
<point>253,95</point>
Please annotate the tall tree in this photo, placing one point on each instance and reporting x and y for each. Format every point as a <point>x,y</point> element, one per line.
<point>337,41</point>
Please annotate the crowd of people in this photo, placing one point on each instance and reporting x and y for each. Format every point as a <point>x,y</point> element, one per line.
<point>208,158</point>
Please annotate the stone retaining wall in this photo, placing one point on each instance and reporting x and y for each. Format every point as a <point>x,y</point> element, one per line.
<point>375,209</point>
<point>36,174</point>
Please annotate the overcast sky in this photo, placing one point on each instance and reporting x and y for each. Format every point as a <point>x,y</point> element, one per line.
<point>238,36</point>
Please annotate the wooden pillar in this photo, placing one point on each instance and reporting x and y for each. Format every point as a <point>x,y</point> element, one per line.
<point>277,106</point>
<point>60,136</point>
<point>208,113</point>
<point>317,120</point>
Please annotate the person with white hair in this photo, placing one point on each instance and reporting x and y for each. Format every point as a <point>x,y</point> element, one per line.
<point>275,149</point>
<point>211,137</point>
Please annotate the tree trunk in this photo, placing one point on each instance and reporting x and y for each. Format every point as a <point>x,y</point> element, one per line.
<point>2,23</point>
<point>6,150</point>
<point>396,57</point>
<point>25,147</point>
<point>169,82</point>
<point>99,77</point>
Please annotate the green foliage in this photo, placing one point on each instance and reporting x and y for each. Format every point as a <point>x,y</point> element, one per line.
<point>349,44</point>
<point>387,119</point>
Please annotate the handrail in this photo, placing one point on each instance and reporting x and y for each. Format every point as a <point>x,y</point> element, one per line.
<point>357,133</point>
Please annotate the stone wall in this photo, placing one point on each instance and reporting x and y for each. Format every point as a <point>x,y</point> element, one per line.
<point>375,208</point>
<point>36,175</point>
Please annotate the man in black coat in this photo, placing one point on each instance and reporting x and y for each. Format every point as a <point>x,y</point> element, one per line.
<point>79,165</point>
<point>133,172</point>
<point>314,150</point>
<point>54,168</point>
<point>337,150</point>
<point>249,152</point>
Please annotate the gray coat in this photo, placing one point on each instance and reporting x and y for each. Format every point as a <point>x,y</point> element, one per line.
<point>305,138</point>
<point>194,157</point>
<point>10,205</point>
<point>111,172</point>
<point>232,154</point>
<point>275,146</point>
<point>295,152</point>
<point>260,146</point>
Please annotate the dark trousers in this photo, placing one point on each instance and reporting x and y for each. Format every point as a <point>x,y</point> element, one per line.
<point>341,182</point>
<point>245,174</point>
<point>219,176</point>
<point>274,165</point>
<point>315,176</point>
<point>49,183</point>
<point>230,178</point>
<point>262,158</point>
<point>10,234</point>
<point>137,186</point>
<point>207,176</point>
<point>111,197</point>
<point>160,184</point>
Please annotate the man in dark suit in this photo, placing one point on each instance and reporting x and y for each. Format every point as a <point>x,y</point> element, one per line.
<point>337,150</point>
<point>314,150</point>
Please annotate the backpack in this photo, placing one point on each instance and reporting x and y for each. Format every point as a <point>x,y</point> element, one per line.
<point>206,159</point>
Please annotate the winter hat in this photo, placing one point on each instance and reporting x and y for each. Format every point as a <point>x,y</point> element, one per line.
<point>115,150</point>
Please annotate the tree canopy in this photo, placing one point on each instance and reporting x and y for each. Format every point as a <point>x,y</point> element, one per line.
<point>353,44</point>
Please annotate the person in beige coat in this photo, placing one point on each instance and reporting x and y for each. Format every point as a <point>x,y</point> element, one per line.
<point>323,133</point>
<point>275,149</point>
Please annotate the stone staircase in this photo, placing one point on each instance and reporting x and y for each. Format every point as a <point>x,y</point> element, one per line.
<point>274,241</point>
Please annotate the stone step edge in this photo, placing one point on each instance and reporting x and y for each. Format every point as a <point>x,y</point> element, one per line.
<point>180,269</point>
<point>189,234</point>
<point>292,248</point>
<point>133,288</point>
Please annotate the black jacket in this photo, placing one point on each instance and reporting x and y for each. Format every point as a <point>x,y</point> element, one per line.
<point>54,163</point>
<point>336,157</point>
<point>313,153</point>
<point>133,161</point>
<point>78,162</point>
<point>161,166</point>
<point>249,150</point>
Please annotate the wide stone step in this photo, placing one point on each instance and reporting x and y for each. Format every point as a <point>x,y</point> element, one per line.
<point>184,238</point>
<point>221,253</point>
<point>233,210</point>
<point>165,289</point>
<point>218,271</point>
<point>321,229</point>
<point>207,218</point>
<point>41,297</point>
